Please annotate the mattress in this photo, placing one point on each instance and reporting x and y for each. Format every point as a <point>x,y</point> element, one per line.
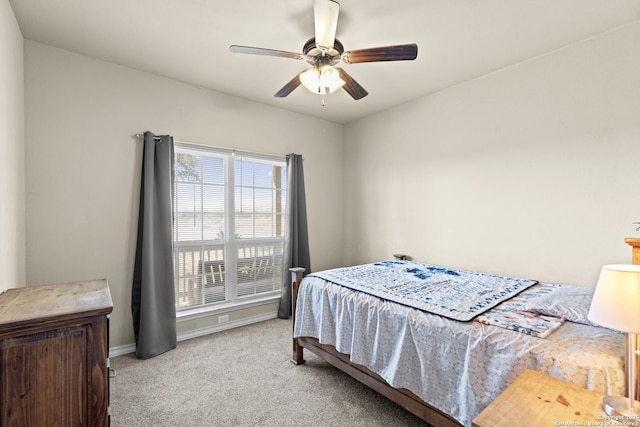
<point>457,367</point>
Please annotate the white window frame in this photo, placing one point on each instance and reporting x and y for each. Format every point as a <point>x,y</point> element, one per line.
<point>230,243</point>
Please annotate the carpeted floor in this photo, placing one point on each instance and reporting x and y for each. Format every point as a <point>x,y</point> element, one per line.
<point>243,377</point>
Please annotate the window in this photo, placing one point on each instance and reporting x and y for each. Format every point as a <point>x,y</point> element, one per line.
<point>228,230</point>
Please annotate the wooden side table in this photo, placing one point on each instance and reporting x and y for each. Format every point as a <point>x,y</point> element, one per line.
<point>538,400</point>
<point>634,242</point>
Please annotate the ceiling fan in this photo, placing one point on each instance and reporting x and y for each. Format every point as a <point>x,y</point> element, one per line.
<point>324,51</point>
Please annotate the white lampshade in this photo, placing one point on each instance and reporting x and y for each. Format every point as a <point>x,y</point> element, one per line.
<point>310,79</point>
<point>616,301</point>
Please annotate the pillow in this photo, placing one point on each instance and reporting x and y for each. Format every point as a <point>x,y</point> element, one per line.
<point>569,302</point>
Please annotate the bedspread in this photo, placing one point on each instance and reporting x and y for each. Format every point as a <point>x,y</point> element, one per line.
<point>457,367</point>
<point>453,293</point>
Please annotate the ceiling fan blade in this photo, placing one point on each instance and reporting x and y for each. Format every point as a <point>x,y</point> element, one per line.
<point>402,52</point>
<point>352,87</point>
<point>267,52</point>
<point>325,14</point>
<point>289,87</point>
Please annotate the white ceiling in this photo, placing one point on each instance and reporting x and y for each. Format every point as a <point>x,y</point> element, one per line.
<point>188,40</point>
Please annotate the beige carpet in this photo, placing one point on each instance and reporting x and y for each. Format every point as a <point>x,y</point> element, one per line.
<point>243,377</point>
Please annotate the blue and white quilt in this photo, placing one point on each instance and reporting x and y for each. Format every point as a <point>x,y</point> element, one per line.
<point>456,294</point>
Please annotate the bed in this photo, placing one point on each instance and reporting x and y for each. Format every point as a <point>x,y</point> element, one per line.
<point>443,370</point>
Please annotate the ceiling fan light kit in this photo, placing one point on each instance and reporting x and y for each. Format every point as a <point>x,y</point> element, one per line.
<point>322,81</point>
<point>324,51</point>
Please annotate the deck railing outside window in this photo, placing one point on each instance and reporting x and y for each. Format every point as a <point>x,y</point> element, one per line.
<point>201,276</point>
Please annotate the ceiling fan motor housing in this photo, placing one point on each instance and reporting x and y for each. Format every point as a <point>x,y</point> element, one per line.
<point>314,55</point>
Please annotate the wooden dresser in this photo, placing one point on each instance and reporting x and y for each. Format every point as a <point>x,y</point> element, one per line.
<point>54,355</point>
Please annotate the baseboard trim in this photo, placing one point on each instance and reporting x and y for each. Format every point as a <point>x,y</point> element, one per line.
<point>131,348</point>
<point>121,349</point>
<point>227,325</point>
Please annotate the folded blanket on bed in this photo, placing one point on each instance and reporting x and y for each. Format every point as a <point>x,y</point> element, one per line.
<point>513,314</point>
<point>456,294</point>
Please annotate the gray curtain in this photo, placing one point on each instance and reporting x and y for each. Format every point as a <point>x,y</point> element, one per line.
<point>153,297</point>
<point>296,252</point>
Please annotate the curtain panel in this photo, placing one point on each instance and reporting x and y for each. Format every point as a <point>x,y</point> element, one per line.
<point>153,296</point>
<point>296,252</point>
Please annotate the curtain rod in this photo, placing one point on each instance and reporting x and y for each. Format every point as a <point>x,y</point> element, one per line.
<point>234,150</point>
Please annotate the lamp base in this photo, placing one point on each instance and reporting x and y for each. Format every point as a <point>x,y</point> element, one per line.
<point>619,406</point>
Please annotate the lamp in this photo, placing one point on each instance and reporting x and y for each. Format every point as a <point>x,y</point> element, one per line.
<point>321,80</point>
<point>616,305</point>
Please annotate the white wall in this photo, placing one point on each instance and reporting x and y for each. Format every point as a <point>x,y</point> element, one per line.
<point>530,171</point>
<point>12,168</point>
<point>83,165</point>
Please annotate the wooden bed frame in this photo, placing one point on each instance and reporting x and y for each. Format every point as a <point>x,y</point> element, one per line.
<point>402,397</point>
